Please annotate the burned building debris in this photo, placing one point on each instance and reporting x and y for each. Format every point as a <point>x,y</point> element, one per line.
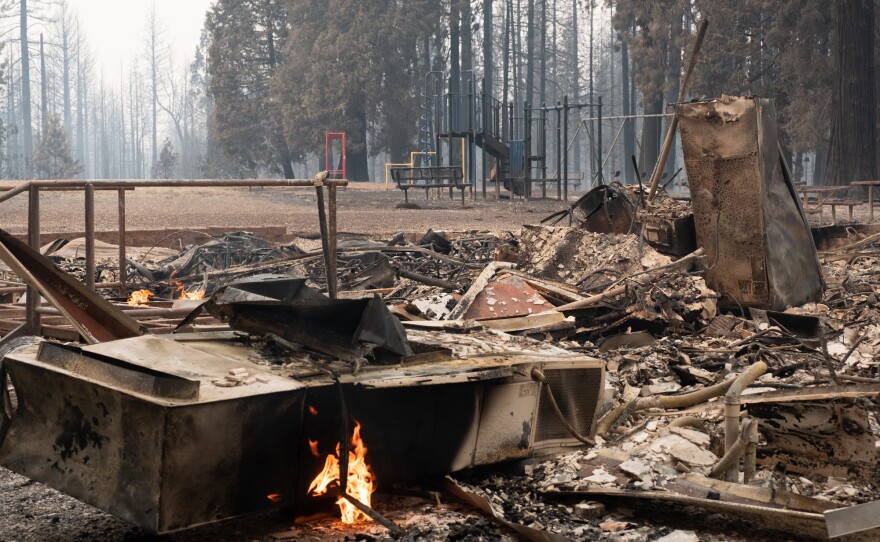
<point>653,364</point>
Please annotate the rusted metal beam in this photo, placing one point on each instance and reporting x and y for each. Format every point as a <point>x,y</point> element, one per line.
<point>114,184</point>
<point>32,319</point>
<point>331,219</point>
<point>318,183</point>
<point>13,191</point>
<point>123,265</point>
<point>95,318</point>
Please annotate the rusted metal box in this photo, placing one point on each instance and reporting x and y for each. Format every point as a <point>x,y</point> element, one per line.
<point>147,444</point>
<point>140,429</point>
<point>747,214</point>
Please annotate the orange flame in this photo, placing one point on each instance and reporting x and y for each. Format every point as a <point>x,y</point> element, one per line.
<point>360,479</point>
<point>275,497</point>
<point>197,295</point>
<point>313,411</point>
<point>141,297</point>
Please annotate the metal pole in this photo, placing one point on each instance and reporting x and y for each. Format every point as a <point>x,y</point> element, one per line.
<point>544,149</point>
<point>325,241</point>
<point>527,151</point>
<point>599,143</point>
<point>123,265</point>
<point>484,128</point>
<point>33,296</point>
<point>331,219</point>
<point>90,237</point>
<point>558,149</point>
<point>565,144</point>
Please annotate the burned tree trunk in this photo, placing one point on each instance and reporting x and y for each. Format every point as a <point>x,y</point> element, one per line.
<point>853,150</point>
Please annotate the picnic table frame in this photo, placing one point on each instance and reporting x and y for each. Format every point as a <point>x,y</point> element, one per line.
<point>870,185</point>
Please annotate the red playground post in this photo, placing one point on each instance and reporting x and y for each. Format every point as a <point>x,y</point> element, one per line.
<point>335,173</point>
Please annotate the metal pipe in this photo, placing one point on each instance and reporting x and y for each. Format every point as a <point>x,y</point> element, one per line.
<point>32,318</point>
<point>732,402</point>
<point>114,184</point>
<point>331,220</point>
<point>90,237</point>
<point>730,461</point>
<point>13,290</point>
<point>325,235</point>
<point>123,264</point>
<point>750,457</point>
<point>565,138</point>
<point>134,312</point>
<point>559,146</point>
<point>14,191</point>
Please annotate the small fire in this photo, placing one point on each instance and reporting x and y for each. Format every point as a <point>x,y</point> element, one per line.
<point>197,295</point>
<point>275,497</point>
<point>141,297</point>
<point>360,484</point>
<point>313,411</point>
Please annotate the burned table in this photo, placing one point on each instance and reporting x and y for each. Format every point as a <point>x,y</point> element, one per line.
<point>870,185</point>
<point>429,177</point>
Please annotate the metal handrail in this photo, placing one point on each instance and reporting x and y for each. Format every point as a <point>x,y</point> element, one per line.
<point>121,186</point>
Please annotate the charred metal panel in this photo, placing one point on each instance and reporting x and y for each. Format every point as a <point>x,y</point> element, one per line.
<point>830,438</point>
<point>349,329</point>
<point>164,464</point>
<point>109,424</point>
<point>95,318</point>
<point>747,214</point>
<point>675,237</point>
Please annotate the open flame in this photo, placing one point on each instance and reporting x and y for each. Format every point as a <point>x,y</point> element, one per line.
<point>141,297</point>
<point>360,484</point>
<point>196,295</point>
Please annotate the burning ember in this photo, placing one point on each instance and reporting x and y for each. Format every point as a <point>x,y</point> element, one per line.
<point>360,480</point>
<point>196,295</point>
<point>141,297</point>
<point>275,497</point>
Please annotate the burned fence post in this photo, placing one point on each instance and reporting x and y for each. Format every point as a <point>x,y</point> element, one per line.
<point>33,295</point>
<point>90,236</point>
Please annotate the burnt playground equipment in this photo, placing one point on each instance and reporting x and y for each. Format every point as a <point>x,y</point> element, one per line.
<point>515,139</point>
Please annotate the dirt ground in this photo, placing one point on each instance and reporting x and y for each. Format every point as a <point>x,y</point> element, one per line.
<point>363,208</point>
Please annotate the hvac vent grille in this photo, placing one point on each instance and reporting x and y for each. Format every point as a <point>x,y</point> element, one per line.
<point>577,393</point>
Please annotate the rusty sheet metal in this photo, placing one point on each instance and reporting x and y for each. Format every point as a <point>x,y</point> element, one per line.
<point>747,213</point>
<point>96,319</point>
<point>831,438</point>
<point>506,297</point>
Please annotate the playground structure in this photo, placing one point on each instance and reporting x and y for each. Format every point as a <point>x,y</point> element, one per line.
<point>514,138</point>
<point>341,169</point>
